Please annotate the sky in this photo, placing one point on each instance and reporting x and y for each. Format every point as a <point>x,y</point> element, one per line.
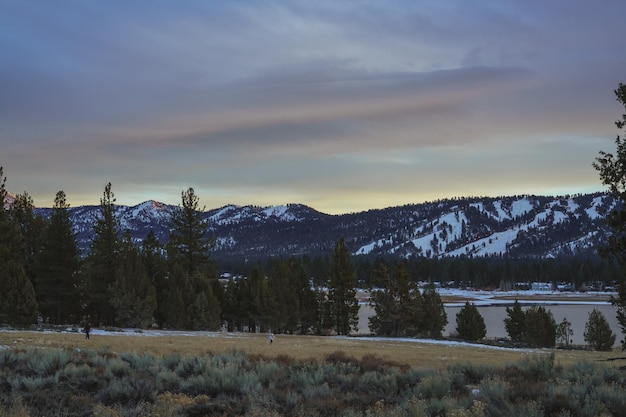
<point>340,105</point>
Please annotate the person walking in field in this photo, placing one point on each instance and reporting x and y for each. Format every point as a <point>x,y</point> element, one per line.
<point>87,330</point>
<point>271,337</point>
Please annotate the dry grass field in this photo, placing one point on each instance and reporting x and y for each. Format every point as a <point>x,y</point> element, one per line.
<point>416,354</point>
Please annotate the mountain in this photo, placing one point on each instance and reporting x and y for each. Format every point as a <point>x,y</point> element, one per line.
<point>516,226</point>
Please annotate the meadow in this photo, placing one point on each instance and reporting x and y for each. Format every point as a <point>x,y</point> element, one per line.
<point>221,374</point>
<point>415,353</point>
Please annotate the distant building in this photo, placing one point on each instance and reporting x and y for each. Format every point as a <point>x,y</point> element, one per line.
<point>541,286</point>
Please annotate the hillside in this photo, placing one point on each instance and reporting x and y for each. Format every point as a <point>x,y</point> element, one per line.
<point>517,226</point>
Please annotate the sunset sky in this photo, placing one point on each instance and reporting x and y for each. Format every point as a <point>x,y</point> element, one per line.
<point>340,105</point>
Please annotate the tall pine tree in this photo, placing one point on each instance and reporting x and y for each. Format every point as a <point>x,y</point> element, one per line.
<point>101,264</point>
<point>398,303</point>
<point>190,244</point>
<point>612,169</point>
<point>342,302</point>
<point>435,316</point>
<point>57,263</point>
<point>133,296</point>
<point>18,304</point>
<point>515,322</point>
<point>154,261</point>
<point>195,274</point>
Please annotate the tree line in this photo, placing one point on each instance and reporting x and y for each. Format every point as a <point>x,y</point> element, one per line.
<point>177,284</point>
<point>173,285</point>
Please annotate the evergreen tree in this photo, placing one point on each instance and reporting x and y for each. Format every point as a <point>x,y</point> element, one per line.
<point>133,297</point>
<point>598,333</point>
<point>435,317</point>
<point>398,306</point>
<point>189,255</point>
<point>31,226</point>
<point>515,323</point>
<point>189,243</point>
<point>101,263</point>
<point>18,304</point>
<point>619,302</point>
<point>230,311</point>
<point>343,304</point>
<point>156,270</point>
<point>612,170</point>
<point>263,307</point>
<point>470,324</point>
<point>204,308</point>
<point>58,261</point>
<point>307,302</point>
<point>540,330</point>
<point>283,286</point>
<point>174,307</point>
<point>386,309</point>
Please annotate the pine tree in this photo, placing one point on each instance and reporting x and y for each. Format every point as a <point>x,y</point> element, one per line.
<point>189,250</point>
<point>435,317</point>
<point>133,297</point>
<point>174,310</point>
<point>101,264</point>
<point>540,330</point>
<point>58,261</point>
<point>619,302</point>
<point>189,243</point>
<point>598,333</point>
<point>515,323</point>
<point>263,306</point>
<point>283,285</point>
<point>18,304</point>
<point>31,227</point>
<point>307,302</point>
<point>470,324</point>
<point>204,307</point>
<point>612,170</point>
<point>343,304</point>
<point>156,270</point>
<point>399,306</point>
<point>386,309</point>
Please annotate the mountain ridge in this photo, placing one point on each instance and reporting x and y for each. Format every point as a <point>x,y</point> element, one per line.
<point>516,226</point>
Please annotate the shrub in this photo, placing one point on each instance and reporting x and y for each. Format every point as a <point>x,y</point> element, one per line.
<point>15,408</point>
<point>435,386</point>
<point>45,362</point>
<point>167,380</point>
<point>540,367</point>
<point>472,374</point>
<point>127,391</point>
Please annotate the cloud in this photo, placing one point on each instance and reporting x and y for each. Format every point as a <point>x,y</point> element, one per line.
<point>265,101</point>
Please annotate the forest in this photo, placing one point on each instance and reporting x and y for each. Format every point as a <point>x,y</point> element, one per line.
<point>178,285</point>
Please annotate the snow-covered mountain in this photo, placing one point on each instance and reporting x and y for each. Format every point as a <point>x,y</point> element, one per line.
<point>518,226</point>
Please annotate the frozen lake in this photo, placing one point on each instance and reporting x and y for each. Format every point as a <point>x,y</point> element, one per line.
<point>576,313</point>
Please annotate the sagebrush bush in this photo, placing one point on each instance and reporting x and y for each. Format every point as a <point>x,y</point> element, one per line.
<point>44,362</point>
<point>80,383</point>
<point>167,380</point>
<point>267,372</point>
<point>471,373</point>
<point>433,386</point>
